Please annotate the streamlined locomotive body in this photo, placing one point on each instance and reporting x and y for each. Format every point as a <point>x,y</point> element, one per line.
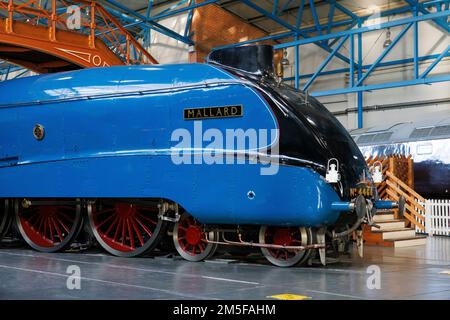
<point>211,151</point>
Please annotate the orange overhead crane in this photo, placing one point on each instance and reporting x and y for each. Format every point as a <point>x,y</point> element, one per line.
<point>40,39</point>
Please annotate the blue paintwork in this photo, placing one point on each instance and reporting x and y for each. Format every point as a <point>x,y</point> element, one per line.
<point>108,135</point>
<point>341,206</point>
<point>384,204</point>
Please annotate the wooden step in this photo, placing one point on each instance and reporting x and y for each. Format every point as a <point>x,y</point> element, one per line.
<point>409,242</point>
<point>382,217</point>
<point>398,234</point>
<point>389,225</point>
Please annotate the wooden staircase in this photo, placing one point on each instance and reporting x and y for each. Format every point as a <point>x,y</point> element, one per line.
<point>396,231</point>
<point>392,232</point>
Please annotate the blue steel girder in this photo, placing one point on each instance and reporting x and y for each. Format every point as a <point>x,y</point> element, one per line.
<point>385,25</point>
<point>174,6</point>
<point>346,11</point>
<point>189,21</point>
<point>148,31</point>
<point>332,42</point>
<point>147,22</point>
<point>365,67</point>
<point>315,17</point>
<point>350,23</point>
<point>381,86</point>
<point>435,62</point>
<point>151,22</point>
<point>283,23</point>
<point>384,54</point>
<point>300,11</point>
<point>275,8</point>
<point>442,24</point>
<point>331,15</point>
<point>324,63</point>
<point>358,85</point>
<point>285,6</point>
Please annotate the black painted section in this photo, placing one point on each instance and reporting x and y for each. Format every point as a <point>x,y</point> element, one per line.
<point>256,59</point>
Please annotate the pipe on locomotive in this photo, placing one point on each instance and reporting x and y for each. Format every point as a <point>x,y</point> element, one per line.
<point>348,206</point>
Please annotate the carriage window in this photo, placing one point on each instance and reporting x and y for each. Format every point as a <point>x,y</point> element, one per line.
<point>366,138</point>
<point>424,149</point>
<point>441,131</point>
<point>383,137</point>
<point>421,132</point>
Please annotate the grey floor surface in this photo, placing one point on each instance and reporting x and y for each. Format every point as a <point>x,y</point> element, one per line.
<point>421,272</point>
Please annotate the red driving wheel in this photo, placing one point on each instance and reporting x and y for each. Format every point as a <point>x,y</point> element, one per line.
<point>124,228</point>
<point>191,239</point>
<point>49,228</point>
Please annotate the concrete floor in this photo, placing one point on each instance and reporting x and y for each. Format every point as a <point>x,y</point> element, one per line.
<point>406,273</point>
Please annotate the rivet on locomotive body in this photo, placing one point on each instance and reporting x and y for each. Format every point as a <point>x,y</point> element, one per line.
<point>38,132</point>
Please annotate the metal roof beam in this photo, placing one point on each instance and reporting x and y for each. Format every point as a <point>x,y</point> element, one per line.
<point>442,25</point>
<point>385,25</point>
<point>292,28</point>
<point>149,22</point>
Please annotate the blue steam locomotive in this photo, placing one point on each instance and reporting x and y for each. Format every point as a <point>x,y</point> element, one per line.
<point>212,154</point>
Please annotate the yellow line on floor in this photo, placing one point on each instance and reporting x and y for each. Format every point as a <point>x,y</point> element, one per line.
<point>289,296</point>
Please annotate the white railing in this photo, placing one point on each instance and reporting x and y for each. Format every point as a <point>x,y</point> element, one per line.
<point>437,217</point>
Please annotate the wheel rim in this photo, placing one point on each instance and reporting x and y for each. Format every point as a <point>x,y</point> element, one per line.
<point>190,239</point>
<point>290,236</point>
<point>125,229</point>
<point>48,228</point>
<point>5,218</point>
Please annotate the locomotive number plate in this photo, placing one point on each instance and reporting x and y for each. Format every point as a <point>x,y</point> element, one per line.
<point>214,112</point>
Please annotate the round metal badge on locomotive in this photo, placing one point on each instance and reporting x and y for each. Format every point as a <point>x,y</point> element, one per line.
<point>38,132</point>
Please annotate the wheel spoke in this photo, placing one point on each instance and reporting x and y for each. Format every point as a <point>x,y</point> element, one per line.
<point>114,223</point>
<point>62,224</point>
<point>58,230</point>
<point>50,227</point>
<point>190,239</point>
<point>123,231</point>
<point>119,225</point>
<point>65,216</point>
<point>130,233</point>
<point>138,232</point>
<point>148,219</point>
<point>105,221</point>
<point>42,221</point>
<point>36,223</point>
<point>144,227</point>
<point>45,228</point>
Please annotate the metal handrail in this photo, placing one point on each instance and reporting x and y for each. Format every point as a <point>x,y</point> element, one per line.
<point>99,24</point>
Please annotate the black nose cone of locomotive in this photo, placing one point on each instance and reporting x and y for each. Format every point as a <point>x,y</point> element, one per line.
<point>256,59</point>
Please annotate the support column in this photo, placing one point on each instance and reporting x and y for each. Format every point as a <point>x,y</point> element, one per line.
<point>297,65</point>
<point>360,94</point>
